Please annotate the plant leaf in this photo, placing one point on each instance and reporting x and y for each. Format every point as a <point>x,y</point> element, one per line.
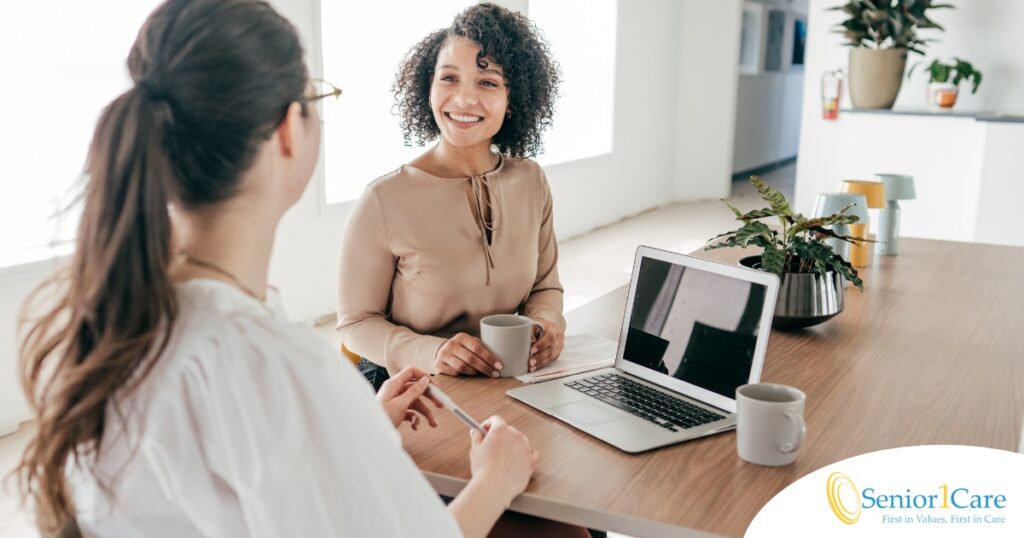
<point>843,267</point>
<point>751,230</point>
<point>760,214</point>
<point>831,233</point>
<point>774,198</point>
<point>733,208</point>
<point>730,242</point>
<point>721,235</point>
<point>773,260</point>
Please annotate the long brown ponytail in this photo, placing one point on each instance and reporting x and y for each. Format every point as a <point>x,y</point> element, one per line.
<point>212,78</point>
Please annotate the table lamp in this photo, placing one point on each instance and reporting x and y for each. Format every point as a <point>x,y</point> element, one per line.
<point>829,203</point>
<point>874,191</point>
<point>897,187</point>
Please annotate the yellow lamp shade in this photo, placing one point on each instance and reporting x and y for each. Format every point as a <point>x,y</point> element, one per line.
<point>874,191</point>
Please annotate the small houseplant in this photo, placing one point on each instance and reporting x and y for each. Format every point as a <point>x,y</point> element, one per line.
<point>881,33</point>
<point>944,80</point>
<point>797,253</point>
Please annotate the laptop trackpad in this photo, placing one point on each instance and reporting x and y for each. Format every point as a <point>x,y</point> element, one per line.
<point>586,412</point>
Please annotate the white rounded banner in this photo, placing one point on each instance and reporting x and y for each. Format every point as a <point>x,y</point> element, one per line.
<point>910,491</point>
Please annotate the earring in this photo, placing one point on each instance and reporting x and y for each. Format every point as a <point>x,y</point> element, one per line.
<point>508,114</point>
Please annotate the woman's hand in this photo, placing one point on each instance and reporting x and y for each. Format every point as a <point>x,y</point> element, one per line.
<point>548,348</point>
<point>464,354</point>
<point>402,398</point>
<point>503,458</point>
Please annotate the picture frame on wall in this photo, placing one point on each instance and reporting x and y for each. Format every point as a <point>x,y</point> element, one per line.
<point>775,32</point>
<point>799,40</point>
<point>751,37</point>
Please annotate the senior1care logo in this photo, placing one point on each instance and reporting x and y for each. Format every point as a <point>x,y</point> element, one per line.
<point>847,503</point>
<point>911,491</point>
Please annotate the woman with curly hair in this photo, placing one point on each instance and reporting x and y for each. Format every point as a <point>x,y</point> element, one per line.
<point>464,230</point>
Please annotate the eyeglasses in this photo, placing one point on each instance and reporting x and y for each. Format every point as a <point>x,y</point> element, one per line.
<point>323,90</point>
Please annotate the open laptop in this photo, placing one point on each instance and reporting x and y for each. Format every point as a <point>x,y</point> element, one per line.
<point>693,331</point>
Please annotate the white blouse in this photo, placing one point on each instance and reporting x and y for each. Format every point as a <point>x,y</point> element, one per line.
<point>250,425</point>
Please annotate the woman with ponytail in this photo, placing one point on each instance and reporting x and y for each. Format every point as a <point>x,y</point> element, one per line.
<point>171,395</point>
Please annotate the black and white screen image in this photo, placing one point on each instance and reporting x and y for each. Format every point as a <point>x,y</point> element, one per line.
<point>696,326</point>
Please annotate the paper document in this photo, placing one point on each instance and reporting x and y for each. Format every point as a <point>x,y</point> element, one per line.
<point>582,353</point>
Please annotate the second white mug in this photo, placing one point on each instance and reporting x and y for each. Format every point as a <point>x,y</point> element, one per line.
<point>770,425</point>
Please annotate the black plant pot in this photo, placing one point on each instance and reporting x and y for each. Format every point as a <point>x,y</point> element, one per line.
<point>805,299</point>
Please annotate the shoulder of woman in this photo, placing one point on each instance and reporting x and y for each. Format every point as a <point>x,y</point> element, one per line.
<point>219,329</point>
<point>525,168</point>
<point>390,182</point>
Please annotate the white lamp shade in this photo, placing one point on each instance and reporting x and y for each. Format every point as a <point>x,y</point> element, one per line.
<point>829,203</point>
<point>898,186</point>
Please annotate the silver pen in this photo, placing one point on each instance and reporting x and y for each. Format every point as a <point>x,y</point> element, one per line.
<point>463,416</point>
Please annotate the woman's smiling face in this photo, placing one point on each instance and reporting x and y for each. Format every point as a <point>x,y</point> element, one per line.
<point>469,97</point>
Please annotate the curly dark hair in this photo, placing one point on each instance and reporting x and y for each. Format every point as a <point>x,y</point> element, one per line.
<point>513,42</point>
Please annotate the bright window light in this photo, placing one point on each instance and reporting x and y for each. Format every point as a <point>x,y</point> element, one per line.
<point>61,65</point>
<point>362,138</point>
<point>585,50</point>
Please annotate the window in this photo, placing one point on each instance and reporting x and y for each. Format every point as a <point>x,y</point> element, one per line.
<point>61,64</point>
<point>364,43</point>
<point>582,125</point>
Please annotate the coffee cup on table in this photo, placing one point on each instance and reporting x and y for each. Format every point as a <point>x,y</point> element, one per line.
<point>769,423</point>
<point>510,337</point>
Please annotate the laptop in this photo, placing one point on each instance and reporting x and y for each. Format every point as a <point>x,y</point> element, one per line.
<point>693,331</point>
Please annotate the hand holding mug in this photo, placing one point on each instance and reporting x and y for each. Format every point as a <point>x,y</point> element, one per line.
<point>548,347</point>
<point>466,355</point>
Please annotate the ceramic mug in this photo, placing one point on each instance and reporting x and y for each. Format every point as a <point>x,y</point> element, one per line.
<point>769,423</point>
<point>510,337</point>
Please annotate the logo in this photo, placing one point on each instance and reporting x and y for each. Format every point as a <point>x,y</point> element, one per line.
<point>834,490</point>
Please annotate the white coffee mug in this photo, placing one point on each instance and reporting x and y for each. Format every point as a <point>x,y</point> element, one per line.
<point>769,423</point>
<point>510,337</point>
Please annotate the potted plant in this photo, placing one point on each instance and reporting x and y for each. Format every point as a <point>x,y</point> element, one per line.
<point>881,33</point>
<point>811,272</point>
<point>944,80</point>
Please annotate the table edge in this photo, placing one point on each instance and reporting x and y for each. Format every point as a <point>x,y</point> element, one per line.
<point>547,508</point>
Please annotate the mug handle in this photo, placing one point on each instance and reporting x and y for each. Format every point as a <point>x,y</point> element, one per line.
<point>539,326</point>
<point>801,432</point>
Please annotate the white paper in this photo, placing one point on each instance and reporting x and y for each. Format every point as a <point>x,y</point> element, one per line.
<point>582,353</point>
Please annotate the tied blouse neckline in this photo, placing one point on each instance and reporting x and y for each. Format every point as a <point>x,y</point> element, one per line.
<point>485,206</point>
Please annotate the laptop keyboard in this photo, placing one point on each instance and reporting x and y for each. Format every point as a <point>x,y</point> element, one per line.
<point>652,405</point>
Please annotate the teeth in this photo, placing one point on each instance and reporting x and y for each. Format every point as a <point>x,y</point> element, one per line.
<point>464,119</point>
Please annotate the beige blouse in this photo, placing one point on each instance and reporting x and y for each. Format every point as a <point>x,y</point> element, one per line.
<point>417,267</point>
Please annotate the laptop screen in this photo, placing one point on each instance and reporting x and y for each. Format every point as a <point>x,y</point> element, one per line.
<point>694,325</point>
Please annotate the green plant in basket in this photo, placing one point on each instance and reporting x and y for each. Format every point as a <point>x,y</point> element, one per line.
<point>953,73</point>
<point>799,247</point>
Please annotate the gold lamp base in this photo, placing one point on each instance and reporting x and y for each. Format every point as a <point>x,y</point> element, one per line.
<point>860,253</point>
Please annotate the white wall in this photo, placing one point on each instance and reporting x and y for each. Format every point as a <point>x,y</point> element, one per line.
<point>662,152</point>
<point>767,118</point>
<point>15,286</point>
<point>709,49</point>
<point>1000,197</point>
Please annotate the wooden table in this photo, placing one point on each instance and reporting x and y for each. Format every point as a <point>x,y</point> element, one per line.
<point>932,352</point>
